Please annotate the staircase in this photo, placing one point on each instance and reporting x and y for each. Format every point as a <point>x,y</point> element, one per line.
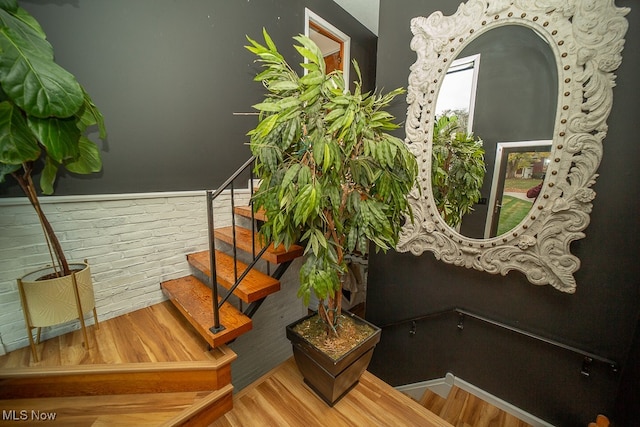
<point>222,322</point>
<point>134,384</point>
<point>214,317</point>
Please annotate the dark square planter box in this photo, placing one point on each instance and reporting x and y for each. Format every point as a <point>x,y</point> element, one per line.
<point>328,378</point>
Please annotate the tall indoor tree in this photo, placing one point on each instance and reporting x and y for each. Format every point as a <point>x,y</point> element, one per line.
<point>45,116</point>
<point>333,178</point>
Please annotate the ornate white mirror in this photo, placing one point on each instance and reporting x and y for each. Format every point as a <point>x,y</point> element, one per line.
<point>583,40</point>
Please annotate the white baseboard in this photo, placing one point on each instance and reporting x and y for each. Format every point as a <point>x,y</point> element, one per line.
<point>442,387</point>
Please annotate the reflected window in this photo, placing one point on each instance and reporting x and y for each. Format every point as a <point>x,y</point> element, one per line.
<point>458,91</point>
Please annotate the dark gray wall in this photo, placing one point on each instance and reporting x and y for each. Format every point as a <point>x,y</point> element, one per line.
<point>168,75</point>
<point>600,317</point>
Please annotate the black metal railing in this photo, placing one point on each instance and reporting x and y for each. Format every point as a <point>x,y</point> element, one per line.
<point>217,300</point>
<point>212,195</point>
<point>587,356</point>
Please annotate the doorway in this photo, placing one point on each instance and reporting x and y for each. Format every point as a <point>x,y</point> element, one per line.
<point>519,167</point>
<point>334,44</point>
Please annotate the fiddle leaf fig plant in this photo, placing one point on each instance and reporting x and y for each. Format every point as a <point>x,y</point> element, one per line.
<point>45,115</point>
<point>333,178</point>
<point>458,169</point>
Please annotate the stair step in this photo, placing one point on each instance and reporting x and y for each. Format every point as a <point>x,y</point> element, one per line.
<point>193,299</point>
<point>255,285</point>
<point>243,241</point>
<point>432,401</point>
<point>245,211</point>
<point>151,409</point>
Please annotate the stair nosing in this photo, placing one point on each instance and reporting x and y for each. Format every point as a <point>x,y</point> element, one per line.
<point>242,291</point>
<point>243,242</point>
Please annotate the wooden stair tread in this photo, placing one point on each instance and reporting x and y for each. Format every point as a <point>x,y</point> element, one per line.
<point>463,408</point>
<point>245,211</point>
<point>243,241</point>
<point>151,409</point>
<point>432,401</point>
<point>193,299</point>
<point>255,285</point>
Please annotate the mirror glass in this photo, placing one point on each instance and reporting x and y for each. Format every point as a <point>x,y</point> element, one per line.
<point>543,94</point>
<point>509,95</point>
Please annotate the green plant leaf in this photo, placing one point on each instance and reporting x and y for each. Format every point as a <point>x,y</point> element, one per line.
<point>48,176</point>
<point>88,160</point>
<point>59,136</point>
<point>268,41</point>
<point>310,93</point>
<point>35,83</point>
<point>7,170</point>
<point>9,5</point>
<point>290,175</point>
<point>25,26</point>
<point>17,143</point>
<point>313,78</point>
<point>91,116</point>
<point>283,86</point>
<point>267,106</point>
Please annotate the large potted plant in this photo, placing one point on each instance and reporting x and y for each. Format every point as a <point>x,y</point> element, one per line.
<point>45,117</point>
<point>334,180</point>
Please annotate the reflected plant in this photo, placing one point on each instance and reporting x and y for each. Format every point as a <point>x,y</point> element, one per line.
<point>458,169</point>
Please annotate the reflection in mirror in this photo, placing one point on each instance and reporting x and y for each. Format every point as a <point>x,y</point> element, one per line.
<point>515,100</point>
<point>520,169</point>
<point>458,91</point>
<point>566,99</point>
<point>457,168</point>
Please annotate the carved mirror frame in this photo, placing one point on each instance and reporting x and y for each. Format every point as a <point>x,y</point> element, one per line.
<point>587,38</point>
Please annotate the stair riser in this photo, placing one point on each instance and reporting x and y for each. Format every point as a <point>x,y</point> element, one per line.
<point>117,380</point>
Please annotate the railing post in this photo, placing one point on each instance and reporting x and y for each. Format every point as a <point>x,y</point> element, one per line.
<point>253,215</point>
<point>217,327</point>
<point>233,233</point>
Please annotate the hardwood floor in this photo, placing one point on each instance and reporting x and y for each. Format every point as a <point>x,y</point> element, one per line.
<point>159,335</point>
<point>281,398</point>
<point>146,335</point>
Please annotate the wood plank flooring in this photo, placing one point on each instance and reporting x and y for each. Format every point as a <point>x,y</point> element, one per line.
<point>153,353</point>
<point>146,335</point>
<point>281,398</point>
